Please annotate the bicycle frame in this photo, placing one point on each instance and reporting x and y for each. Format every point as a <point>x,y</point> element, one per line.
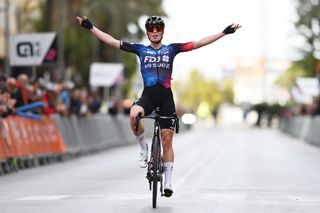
<point>155,169</point>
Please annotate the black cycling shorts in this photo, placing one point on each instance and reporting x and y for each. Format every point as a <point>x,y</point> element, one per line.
<point>158,96</point>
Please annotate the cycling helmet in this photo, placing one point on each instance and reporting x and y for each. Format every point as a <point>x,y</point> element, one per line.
<point>154,20</point>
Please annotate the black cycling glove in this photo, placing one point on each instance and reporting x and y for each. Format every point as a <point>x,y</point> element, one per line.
<point>229,30</point>
<point>86,23</point>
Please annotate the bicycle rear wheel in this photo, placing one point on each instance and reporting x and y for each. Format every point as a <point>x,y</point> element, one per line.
<point>155,169</point>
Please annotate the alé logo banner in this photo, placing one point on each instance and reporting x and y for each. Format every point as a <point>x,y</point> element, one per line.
<point>33,49</point>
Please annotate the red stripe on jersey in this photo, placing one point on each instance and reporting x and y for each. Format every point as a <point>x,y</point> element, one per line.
<point>187,46</point>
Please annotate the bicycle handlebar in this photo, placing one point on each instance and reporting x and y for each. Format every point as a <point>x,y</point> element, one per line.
<point>139,116</point>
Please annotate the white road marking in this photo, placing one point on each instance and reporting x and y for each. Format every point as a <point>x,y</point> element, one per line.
<point>44,197</point>
<point>128,197</point>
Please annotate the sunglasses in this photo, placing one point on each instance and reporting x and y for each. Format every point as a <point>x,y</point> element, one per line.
<point>158,28</point>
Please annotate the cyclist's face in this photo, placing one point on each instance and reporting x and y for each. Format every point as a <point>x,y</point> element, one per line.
<point>155,33</point>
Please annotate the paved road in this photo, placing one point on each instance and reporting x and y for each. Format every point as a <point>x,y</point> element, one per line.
<point>238,170</point>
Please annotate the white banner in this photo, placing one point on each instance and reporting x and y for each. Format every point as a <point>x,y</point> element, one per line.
<point>305,90</point>
<point>33,49</point>
<point>106,74</point>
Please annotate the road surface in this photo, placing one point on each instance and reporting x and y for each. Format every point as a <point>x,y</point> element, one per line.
<point>229,169</point>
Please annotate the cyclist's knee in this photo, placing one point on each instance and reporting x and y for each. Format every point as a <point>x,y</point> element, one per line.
<point>135,110</point>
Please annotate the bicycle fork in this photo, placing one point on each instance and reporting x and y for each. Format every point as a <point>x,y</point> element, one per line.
<point>160,179</point>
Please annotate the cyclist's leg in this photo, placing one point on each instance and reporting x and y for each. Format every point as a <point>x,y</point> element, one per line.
<point>168,159</point>
<point>167,108</point>
<point>167,131</point>
<point>168,153</point>
<point>142,105</point>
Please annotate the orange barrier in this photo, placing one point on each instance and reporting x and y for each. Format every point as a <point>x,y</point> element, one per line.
<point>7,146</point>
<point>24,137</point>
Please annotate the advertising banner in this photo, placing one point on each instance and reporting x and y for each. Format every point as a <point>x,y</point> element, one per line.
<point>33,49</point>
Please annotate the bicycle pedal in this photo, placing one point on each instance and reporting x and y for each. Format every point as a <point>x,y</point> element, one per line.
<point>168,192</point>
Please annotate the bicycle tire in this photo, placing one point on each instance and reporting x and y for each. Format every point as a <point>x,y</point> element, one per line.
<point>155,168</point>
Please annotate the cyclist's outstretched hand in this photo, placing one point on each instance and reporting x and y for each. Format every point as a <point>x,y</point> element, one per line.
<point>104,37</point>
<point>231,29</point>
<point>84,22</point>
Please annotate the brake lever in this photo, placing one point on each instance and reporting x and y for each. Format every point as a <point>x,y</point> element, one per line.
<point>177,125</point>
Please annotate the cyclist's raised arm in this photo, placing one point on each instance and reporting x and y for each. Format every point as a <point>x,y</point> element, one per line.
<point>210,39</point>
<point>105,37</point>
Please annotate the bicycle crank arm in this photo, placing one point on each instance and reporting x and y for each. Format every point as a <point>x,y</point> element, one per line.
<point>161,189</point>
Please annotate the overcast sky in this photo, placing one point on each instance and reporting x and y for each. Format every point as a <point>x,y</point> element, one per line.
<point>267,29</point>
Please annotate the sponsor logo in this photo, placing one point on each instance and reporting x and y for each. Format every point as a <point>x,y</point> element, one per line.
<point>153,59</point>
<point>165,58</point>
<point>157,61</point>
<point>28,49</point>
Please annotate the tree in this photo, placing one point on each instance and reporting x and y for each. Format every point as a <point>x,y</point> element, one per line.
<point>287,79</point>
<point>118,17</point>
<point>199,89</point>
<point>308,26</point>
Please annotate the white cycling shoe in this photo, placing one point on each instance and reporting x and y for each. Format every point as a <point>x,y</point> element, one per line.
<point>168,190</point>
<point>143,159</point>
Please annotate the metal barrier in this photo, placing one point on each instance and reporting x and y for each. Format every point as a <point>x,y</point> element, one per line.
<point>84,135</point>
<point>26,142</point>
<point>303,127</point>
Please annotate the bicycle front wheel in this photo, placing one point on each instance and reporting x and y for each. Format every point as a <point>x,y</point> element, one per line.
<point>155,169</point>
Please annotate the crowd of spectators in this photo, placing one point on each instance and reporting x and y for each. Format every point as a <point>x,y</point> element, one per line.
<point>62,98</point>
<point>312,109</point>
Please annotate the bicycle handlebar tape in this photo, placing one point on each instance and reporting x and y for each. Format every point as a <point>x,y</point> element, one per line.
<point>86,23</point>
<point>229,30</point>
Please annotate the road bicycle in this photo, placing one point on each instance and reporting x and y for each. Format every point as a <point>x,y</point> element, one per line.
<point>155,165</point>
